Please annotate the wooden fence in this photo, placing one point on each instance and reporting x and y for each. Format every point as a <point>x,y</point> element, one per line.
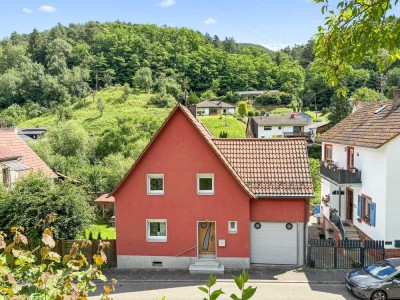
<point>63,247</point>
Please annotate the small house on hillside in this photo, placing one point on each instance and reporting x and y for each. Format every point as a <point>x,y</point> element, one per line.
<point>253,94</point>
<point>17,158</point>
<point>277,126</point>
<point>194,201</point>
<point>33,133</point>
<point>207,108</point>
<point>360,175</point>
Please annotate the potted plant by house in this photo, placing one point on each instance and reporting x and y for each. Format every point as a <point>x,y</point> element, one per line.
<point>330,232</point>
<point>332,212</point>
<point>325,200</point>
<point>366,219</point>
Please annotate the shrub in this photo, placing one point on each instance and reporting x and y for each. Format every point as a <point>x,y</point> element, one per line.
<point>324,111</point>
<point>162,100</point>
<point>242,108</point>
<point>90,235</point>
<point>223,134</point>
<point>193,99</point>
<point>269,98</point>
<point>257,113</point>
<point>38,197</point>
<point>250,113</point>
<point>99,235</point>
<point>68,139</point>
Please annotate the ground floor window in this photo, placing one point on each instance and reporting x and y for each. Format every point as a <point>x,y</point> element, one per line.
<point>367,209</point>
<point>156,230</point>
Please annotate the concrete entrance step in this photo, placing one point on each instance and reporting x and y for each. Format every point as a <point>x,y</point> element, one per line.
<point>206,262</point>
<point>206,266</point>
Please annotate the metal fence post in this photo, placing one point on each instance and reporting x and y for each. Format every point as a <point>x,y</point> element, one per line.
<point>309,255</point>
<point>335,258</point>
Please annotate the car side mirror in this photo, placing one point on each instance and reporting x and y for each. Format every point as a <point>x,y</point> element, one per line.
<point>395,281</point>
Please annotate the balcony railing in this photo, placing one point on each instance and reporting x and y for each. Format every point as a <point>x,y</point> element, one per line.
<point>297,134</point>
<point>340,175</point>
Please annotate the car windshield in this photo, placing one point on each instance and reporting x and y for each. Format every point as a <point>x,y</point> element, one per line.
<point>381,270</point>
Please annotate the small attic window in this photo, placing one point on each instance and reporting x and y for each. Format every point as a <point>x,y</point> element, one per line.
<point>380,109</point>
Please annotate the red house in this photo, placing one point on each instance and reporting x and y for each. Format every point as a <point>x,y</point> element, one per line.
<point>194,200</point>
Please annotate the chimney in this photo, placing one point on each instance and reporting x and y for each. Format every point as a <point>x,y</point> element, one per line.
<point>193,109</point>
<point>396,99</point>
<point>292,116</point>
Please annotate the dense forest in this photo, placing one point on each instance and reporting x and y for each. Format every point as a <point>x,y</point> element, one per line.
<point>47,69</point>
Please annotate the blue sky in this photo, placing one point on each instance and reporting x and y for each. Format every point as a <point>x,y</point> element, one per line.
<point>271,23</point>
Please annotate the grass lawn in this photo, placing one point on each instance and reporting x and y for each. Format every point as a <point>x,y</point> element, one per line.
<point>106,231</point>
<point>216,124</point>
<point>89,116</point>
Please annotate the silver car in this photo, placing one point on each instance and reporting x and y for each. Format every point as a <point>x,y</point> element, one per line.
<point>379,281</point>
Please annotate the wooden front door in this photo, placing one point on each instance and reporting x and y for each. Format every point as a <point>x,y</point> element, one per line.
<point>206,231</point>
<point>349,204</point>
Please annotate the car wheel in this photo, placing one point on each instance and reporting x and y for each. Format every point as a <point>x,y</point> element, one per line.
<point>378,295</point>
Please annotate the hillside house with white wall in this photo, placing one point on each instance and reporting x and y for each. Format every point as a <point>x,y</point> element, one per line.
<point>207,108</point>
<point>360,173</point>
<point>278,126</point>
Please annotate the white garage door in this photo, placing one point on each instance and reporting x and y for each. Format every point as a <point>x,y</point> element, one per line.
<point>272,243</point>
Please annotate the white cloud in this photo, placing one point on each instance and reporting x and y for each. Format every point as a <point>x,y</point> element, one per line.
<point>209,21</point>
<point>47,9</point>
<point>167,3</point>
<point>27,11</point>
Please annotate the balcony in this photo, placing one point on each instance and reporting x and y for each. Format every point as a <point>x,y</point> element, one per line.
<point>297,134</point>
<point>340,175</point>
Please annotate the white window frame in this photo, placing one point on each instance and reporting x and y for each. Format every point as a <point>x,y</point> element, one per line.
<point>157,239</point>
<point>207,192</point>
<point>155,176</point>
<point>234,230</point>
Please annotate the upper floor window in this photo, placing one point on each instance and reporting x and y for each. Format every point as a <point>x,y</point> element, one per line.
<point>205,184</point>
<point>328,149</point>
<point>267,128</point>
<point>155,184</point>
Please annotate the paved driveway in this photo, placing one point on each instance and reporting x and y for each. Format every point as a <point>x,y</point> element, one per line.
<point>152,290</point>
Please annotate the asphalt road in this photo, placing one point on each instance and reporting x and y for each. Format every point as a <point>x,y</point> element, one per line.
<point>154,290</point>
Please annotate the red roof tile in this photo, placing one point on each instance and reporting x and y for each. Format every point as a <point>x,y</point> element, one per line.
<point>366,127</point>
<point>105,198</point>
<point>270,166</point>
<point>5,154</point>
<point>12,143</point>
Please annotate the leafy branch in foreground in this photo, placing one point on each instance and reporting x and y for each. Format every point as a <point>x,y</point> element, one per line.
<point>241,280</point>
<point>42,274</point>
<point>211,295</point>
<point>352,30</point>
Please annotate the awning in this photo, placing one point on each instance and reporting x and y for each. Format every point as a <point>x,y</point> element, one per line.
<point>15,165</point>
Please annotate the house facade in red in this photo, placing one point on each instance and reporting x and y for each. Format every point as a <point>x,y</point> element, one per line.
<point>190,196</point>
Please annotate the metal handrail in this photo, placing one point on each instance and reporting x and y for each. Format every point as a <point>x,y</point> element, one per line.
<point>338,223</point>
<point>183,252</point>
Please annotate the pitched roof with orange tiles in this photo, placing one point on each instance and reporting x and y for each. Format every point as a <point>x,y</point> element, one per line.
<point>263,167</point>
<point>105,198</point>
<point>12,143</point>
<point>6,154</point>
<point>270,166</point>
<point>367,127</point>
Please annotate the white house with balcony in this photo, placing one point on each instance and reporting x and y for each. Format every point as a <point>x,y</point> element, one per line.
<point>291,125</point>
<point>360,173</point>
